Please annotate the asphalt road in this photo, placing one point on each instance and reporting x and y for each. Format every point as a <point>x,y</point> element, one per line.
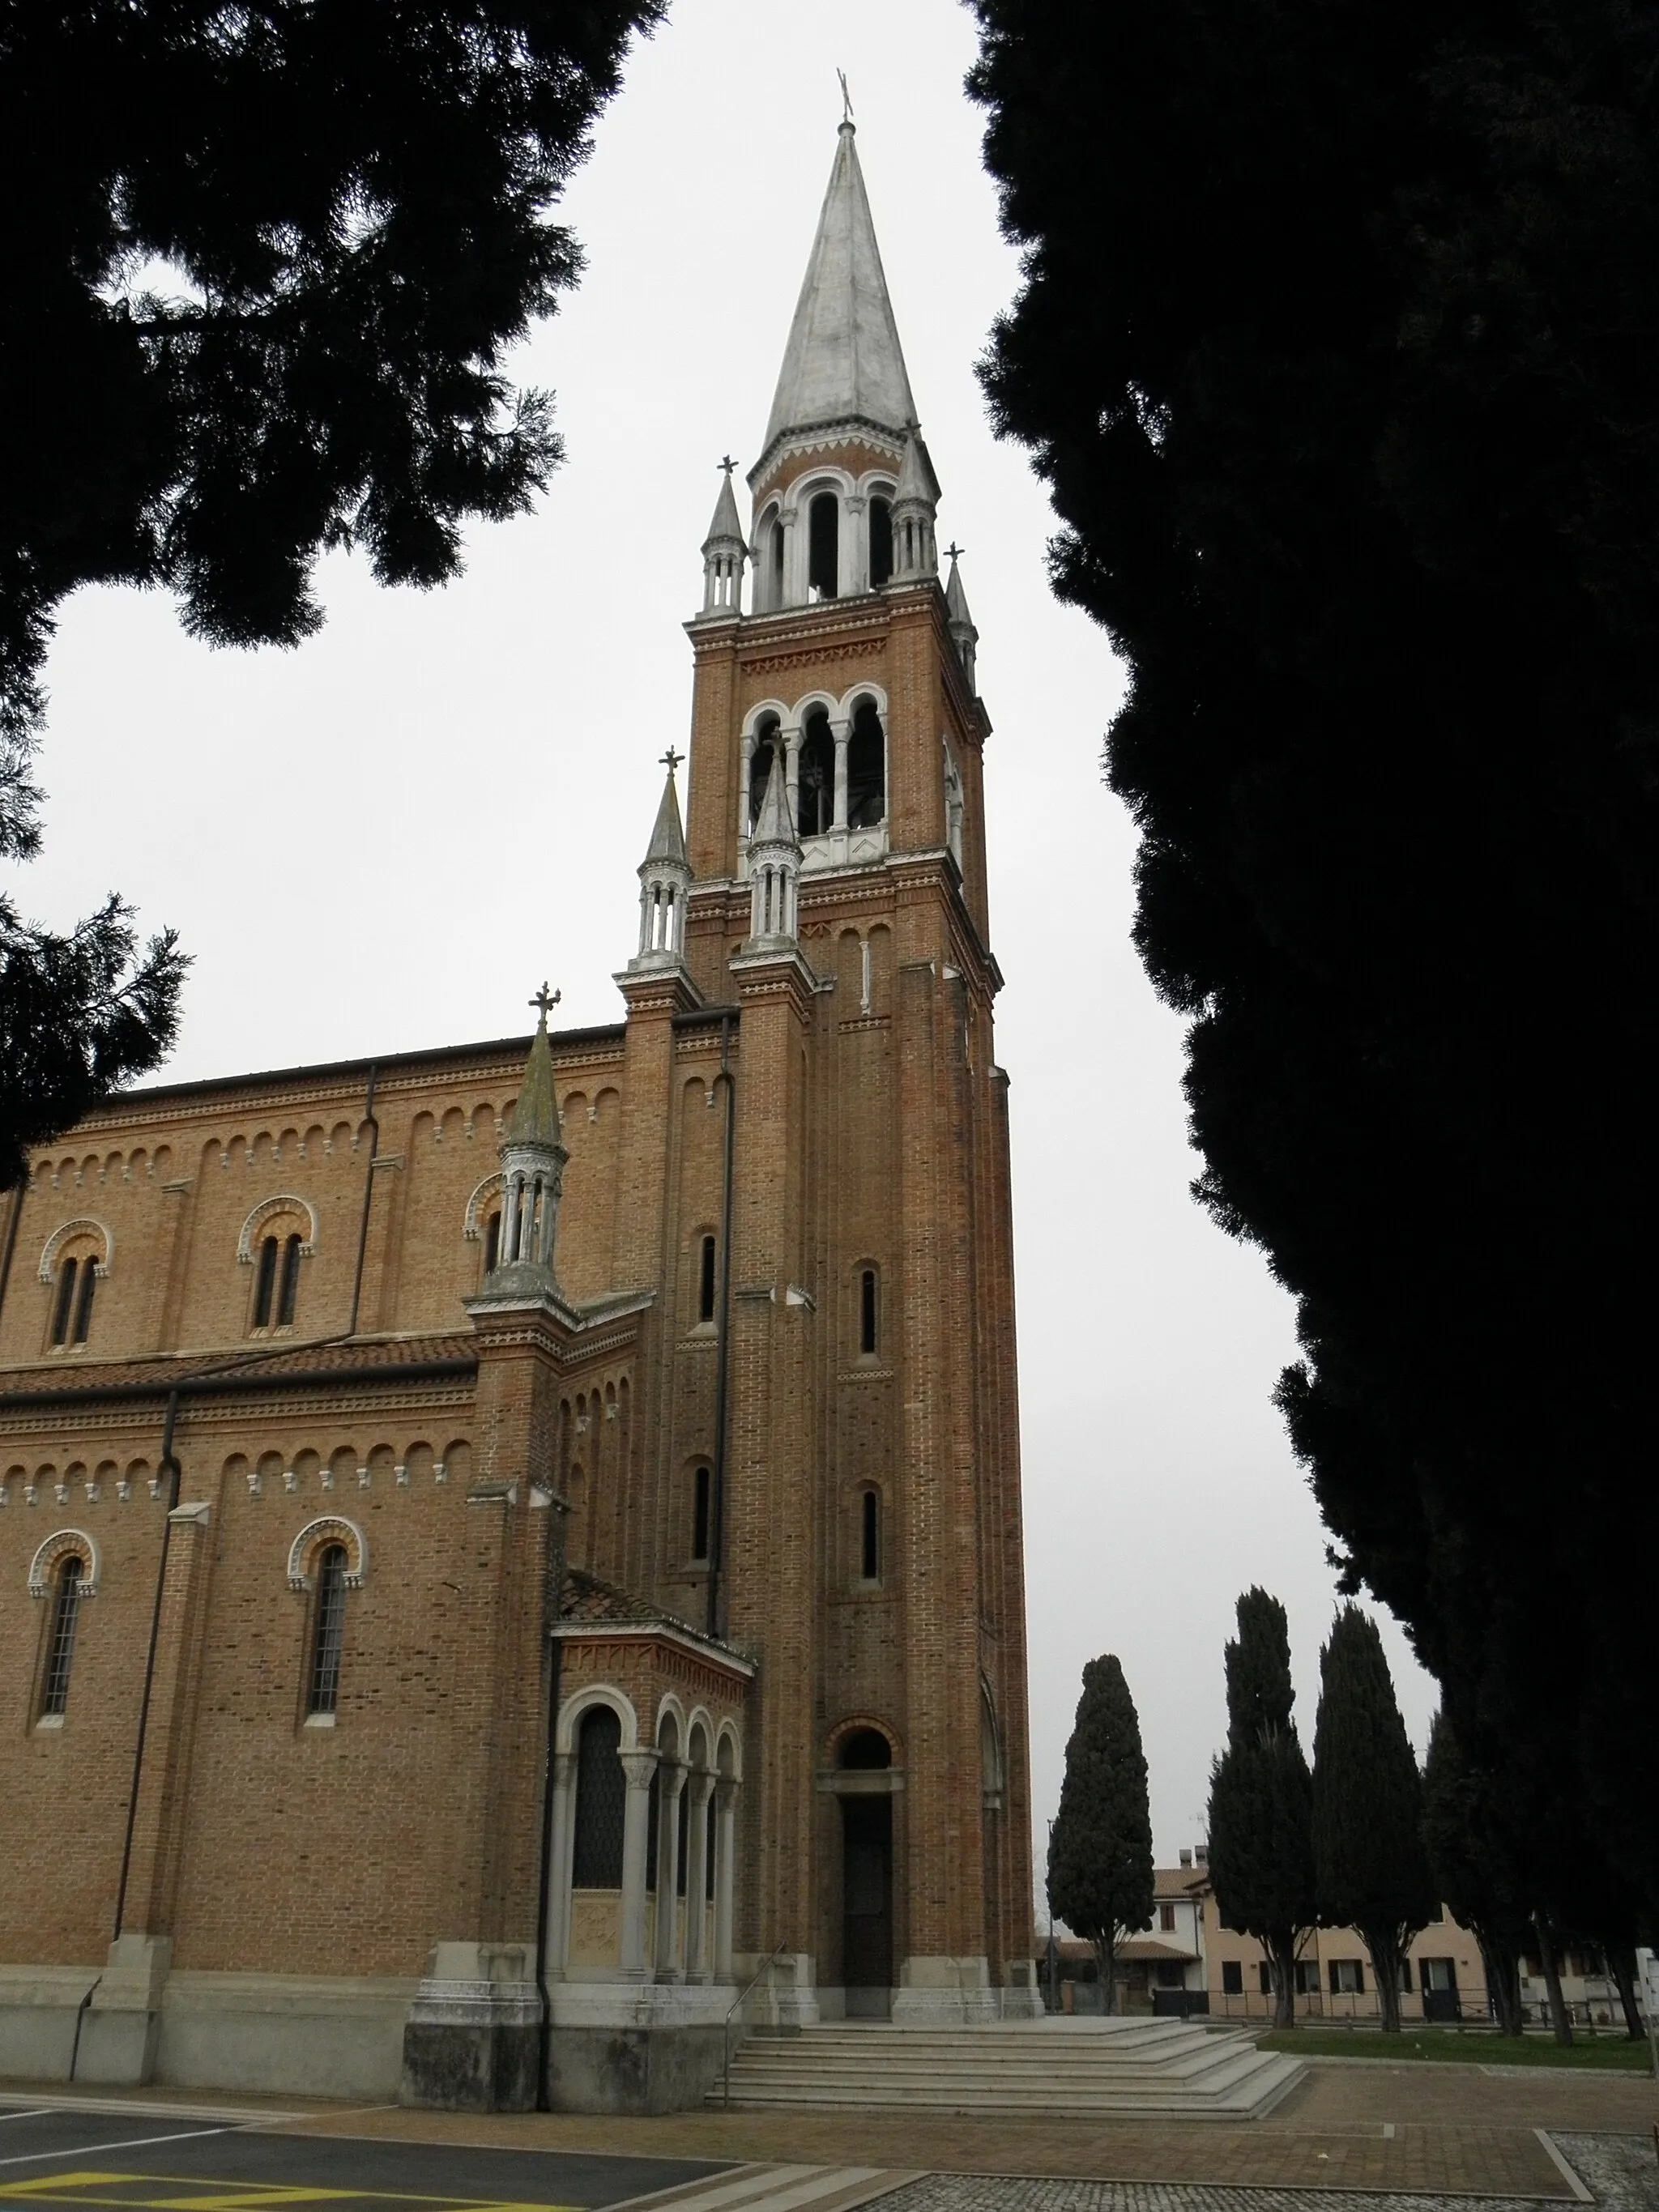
<point>121,2161</point>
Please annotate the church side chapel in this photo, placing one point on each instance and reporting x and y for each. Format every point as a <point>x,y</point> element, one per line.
<point>503,1547</point>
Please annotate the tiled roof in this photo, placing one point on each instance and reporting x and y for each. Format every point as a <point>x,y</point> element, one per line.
<point>265,1367</point>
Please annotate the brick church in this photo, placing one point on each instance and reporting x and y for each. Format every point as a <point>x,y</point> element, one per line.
<point>498,1544</point>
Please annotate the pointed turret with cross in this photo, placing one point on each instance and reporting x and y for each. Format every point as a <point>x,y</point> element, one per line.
<point>534,1161</point>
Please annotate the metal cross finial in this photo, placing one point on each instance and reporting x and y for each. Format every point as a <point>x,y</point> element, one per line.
<point>728,463</point>
<point>670,759</point>
<point>545,999</point>
<point>955,552</point>
<point>846,98</point>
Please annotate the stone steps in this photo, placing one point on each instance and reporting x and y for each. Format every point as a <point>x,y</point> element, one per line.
<point>1094,2068</point>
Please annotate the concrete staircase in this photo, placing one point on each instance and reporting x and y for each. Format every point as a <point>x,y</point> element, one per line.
<point>1087,2069</point>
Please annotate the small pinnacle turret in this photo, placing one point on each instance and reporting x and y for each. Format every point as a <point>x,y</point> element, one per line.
<point>916,502</point>
<point>963,634</point>
<point>533,1172</point>
<point>664,879</point>
<point>724,551</point>
<point>774,862</point>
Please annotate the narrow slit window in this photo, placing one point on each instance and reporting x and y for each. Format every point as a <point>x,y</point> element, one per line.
<point>66,1306</point>
<point>881,544</point>
<point>265,1290</point>
<point>823,546</point>
<point>492,1243</point>
<point>84,1304</point>
<point>870,1536</point>
<point>60,1652</point>
<point>290,1292</point>
<point>329,1633</point>
<point>706,1280</point>
<point>867,1311</point>
<point>702,1500</point>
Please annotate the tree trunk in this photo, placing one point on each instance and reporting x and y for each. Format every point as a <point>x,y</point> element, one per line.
<point>1106,1971</point>
<point>1383,1945</point>
<point>1502,1981</point>
<point>1560,2019</point>
<point>1621,1963</point>
<point>1281,1948</point>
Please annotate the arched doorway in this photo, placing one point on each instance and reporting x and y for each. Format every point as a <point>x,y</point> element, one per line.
<point>867,1864</point>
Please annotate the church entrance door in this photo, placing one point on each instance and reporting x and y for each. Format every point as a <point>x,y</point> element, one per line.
<point>867,1905</point>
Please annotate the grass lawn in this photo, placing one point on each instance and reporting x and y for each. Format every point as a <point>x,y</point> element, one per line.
<point>1477,2049</point>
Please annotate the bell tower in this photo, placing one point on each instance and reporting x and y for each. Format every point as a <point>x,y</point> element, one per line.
<point>865,1491</point>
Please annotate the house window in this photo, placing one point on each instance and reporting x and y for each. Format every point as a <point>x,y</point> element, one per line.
<point>1347,1977</point>
<point>1307,1978</point>
<point>706,1280</point>
<point>265,1287</point>
<point>868,1313</point>
<point>870,1536</point>
<point>1166,1919</point>
<point>1232,1977</point>
<point>60,1648</point>
<point>601,1801</point>
<point>328,1634</point>
<point>1439,1974</point>
<point>1264,1975</point>
<point>701,1504</point>
<point>71,1317</point>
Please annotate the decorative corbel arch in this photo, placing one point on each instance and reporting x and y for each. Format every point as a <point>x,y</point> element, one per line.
<point>65,1543</point>
<point>331,1528</point>
<point>83,1225</point>
<point>267,1210</point>
<point>491,1186</point>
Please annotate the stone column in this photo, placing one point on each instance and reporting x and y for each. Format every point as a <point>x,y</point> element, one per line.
<point>700,1789</point>
<point>638,1767</point>
<point>792,594</point>
<point>673,1774</point>
<point>558,1914</point>
<point>725,1840</point>
<point>842,732</point>
<point>744,771</point>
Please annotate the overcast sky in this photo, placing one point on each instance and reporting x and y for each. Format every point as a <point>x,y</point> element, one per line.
<point>383,841</point>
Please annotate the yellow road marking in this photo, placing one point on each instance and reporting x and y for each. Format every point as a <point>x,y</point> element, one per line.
<point>59,2181</point>
<point>246,2198</point>
<point>230,2197</point>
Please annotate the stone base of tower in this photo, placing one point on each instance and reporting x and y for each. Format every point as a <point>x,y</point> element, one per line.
<point>628,2046</point>
<point>941,1992</point>
<point>472,2040</point>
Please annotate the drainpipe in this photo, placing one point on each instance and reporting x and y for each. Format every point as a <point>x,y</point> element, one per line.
<point>558,1537</point>
<point>169,1470</point>
<point>722,1355</point>
<point>368,1194</point>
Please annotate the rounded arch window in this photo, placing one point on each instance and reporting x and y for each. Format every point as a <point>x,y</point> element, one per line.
<point>864,1751</point>
<point>817,774</point>
<point>768,566</point>
<point>762,761</point>
<point>601,1801</point>
<point>866,768</point>
<point>823,546</point>
<point>70,1582</point>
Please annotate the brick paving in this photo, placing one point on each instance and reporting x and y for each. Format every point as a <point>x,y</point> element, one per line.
<point>999,2193</point>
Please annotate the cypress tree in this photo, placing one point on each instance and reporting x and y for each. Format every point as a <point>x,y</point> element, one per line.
<point>1371,1869</point>
<point>1100,1855</point>
<point>1464,1830</point>
<point>1261,1822</point>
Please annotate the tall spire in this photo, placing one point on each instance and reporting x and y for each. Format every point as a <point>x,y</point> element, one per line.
<point>843,361</point>
<point>963,634</point>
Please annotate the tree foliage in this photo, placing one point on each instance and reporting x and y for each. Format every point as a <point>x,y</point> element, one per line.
<point>1100,1852</point>
<point>1260,1816</point>
<point>1371,1868</point>
<point>1334,348</point>
<point>258,306</point>
<point>1466,1832</point>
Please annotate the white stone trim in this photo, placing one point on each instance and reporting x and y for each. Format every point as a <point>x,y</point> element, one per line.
<point>582,1700</point>
<point>83,1225</point>
<point>329,1528</point>
<point>57,1546</point>
<point>491,1186</point>
<point>267,1210</point>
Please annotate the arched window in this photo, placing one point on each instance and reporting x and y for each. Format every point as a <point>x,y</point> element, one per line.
<point>870,1535</point>
<point>881,544</point>
<point>492,1242</point>
<point>328,1633</point>
<point>823,546</point>
<point>702,1499</point>
<point>601,1801</point>
<point>84,1304</point>
<point>60,1646</point>
<point>760,764</point>
<point>867,1312</point>
<point>264,1288</point>
<point>866,768</point>
<point>706,1280</point>
<point>818,775</point>
<point>290,1289</point>
<point>865,1750</point>
<point>65,1308</point>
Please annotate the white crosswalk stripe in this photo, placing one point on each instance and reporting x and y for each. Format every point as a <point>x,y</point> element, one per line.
<point>777,2189</point>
